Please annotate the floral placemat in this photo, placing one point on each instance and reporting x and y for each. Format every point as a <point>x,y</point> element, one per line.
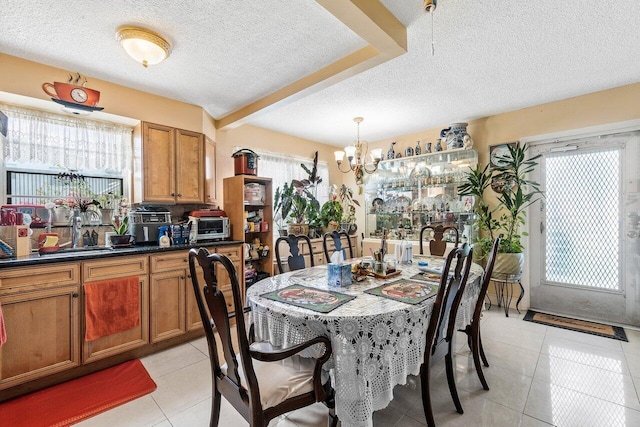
<point>310,298</point>
<point>427,277</point>
<point>405,290</point>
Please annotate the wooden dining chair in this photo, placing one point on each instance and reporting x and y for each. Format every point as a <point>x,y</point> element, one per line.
<point>260,381</point>
<point>439,338</point>
<point>337,243</point>
<point>295,260</point>
<point>437,246</point>
<point>472,330</point>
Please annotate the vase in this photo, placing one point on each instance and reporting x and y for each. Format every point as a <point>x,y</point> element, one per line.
<point>61,215</point>
<point>408,152</point>
<point>438,145</point>
<point>418,149</point>
<point>391,154</point>
<point>508,264</point>
<point>454,135</point>
<point>107,216</point>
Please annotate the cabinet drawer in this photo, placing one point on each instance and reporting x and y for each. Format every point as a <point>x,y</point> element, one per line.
<point>169,261</point>
<point>111,268</point>
<point>35,278</point>
<point>232,252</point>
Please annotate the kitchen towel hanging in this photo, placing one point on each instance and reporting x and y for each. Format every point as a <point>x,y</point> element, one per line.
<point>111,306</point>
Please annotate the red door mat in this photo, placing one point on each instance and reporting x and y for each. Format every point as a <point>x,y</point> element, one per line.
<point>79,399</point>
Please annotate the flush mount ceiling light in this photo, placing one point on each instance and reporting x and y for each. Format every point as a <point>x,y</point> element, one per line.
<point>143,45</point>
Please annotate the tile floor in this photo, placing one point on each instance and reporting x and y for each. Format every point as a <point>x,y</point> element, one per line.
<point>539,376</point>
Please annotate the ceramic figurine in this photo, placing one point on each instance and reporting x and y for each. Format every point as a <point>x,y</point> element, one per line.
<point>418,149</point>
<point>427,148</point>
<point>454,135</point>
<point>408,152</point>
<point>398,155</point>
<point>438,145</point>
<point>391,154</point>
<point>467,142</point>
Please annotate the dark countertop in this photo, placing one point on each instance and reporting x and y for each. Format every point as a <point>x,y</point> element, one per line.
<point>101,252</point>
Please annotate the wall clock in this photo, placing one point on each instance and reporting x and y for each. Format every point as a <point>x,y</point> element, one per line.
<point>496,152</point>
<point>79,95</point>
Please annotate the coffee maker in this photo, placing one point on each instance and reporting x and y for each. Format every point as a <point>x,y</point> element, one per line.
<point>145,223</point>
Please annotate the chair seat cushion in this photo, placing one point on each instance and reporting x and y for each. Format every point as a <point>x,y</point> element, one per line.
<point>280,380</point>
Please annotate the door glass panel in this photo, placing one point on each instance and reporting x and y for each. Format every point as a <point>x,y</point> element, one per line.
<point>582,218</point>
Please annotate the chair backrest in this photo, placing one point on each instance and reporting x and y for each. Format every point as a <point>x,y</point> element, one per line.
<point>336,236</point>
<point>216,307</point>
<point>437,246</point>
<point>486,279</point>
<point>455,282</point>
<point>295,260</point>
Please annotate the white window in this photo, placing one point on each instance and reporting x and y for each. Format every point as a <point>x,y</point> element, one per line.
<point>39,145</point>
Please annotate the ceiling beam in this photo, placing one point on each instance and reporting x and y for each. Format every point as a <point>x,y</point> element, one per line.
<point>369,19</point>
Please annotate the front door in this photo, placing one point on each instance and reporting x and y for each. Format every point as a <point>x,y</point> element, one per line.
<point>585,250</point>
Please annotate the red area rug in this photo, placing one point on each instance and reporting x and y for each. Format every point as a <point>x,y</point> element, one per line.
<point>73,401</point>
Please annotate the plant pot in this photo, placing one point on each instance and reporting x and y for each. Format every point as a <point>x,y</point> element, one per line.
<point>107,216</point>
<point>61,215</point>
<point>121,240</point>
<point>508,264</point>
<point>299,229</point>
<point>283,232</point>
<point>349,227</point>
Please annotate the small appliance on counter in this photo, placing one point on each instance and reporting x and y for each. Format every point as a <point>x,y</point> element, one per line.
<point>207,225</point>
<point>245,162</point>
<point>145,223</point>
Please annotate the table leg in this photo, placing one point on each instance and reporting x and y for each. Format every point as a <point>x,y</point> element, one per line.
<point>507,297</point>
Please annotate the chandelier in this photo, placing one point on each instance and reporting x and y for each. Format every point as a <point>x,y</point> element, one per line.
<point>357,156</point>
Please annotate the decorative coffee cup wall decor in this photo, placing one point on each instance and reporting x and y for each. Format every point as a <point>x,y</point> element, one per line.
<point>73,92</point>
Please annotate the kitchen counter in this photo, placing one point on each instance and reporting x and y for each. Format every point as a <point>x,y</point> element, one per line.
<point>82,254</point>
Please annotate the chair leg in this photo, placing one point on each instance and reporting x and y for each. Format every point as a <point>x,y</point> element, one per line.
<point>426,395</point>
<point>451,379</point>
<point>476,357</point>
<point>484,358</point>
<point>215,408</point>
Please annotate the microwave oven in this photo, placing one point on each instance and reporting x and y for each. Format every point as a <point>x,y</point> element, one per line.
<point>208,225</point>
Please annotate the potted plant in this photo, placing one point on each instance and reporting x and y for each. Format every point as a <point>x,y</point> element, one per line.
<point>282,206</point>
<point>515,194</point>
<point>108,202</point>
<point>331,215</point>
<point>121,228</point>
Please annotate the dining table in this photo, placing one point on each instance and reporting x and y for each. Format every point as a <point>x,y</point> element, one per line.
<point>377,342</point>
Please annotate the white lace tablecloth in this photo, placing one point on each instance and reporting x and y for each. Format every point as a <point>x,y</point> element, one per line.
<point>376,341</point>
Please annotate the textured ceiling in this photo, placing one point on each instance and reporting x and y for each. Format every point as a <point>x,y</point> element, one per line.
<point>491,56</point>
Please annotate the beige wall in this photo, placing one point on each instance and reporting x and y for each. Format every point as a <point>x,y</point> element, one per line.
<point>256,138</point>
<point>22,77</point>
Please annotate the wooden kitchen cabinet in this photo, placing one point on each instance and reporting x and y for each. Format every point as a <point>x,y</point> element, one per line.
<point>168,287</point>
<point>169,165</point>
<point>114,268</point>
<point>210,195</point>
<point>42,318</point>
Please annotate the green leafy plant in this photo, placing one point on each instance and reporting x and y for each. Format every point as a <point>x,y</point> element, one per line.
<point>345,194</point>
<point>282,203</point>
<point>515,194</point>
<point>121,227</point>
<point>331,212</point>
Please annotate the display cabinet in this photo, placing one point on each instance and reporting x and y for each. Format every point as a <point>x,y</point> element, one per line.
<point>408,193</point>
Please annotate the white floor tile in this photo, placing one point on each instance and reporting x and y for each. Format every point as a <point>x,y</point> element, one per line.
<point>138,413</point>
<point>614,387</point>
<point>589,339</point>
<point>563,407</point>
<point>172,359</point>
<point>586,354</point>
<point>183,388</point>
<point>507,356</point>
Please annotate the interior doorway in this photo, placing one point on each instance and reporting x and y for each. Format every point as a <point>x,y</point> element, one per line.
<point>585,256</point>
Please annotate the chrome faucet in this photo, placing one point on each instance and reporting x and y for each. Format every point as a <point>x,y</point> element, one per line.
<point>76,229</point>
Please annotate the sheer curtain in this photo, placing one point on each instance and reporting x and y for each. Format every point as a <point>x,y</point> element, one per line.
<point>42,140</point>
<point>282,168</point>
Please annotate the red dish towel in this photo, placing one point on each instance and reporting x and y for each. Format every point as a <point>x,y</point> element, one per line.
<point>3,331</point>
<point>111,306</point>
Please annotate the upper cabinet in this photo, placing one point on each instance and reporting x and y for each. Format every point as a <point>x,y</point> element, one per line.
<point>169,165</point>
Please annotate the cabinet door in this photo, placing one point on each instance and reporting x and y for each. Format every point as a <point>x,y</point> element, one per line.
<point>210,172</point>
<point>42,334</point>
<point>126,340</point>
<point>189,167</point>
<point>167,308</point>
<point>159,163</point>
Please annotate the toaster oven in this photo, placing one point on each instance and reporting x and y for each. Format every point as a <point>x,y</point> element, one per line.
<point>209,225</point>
